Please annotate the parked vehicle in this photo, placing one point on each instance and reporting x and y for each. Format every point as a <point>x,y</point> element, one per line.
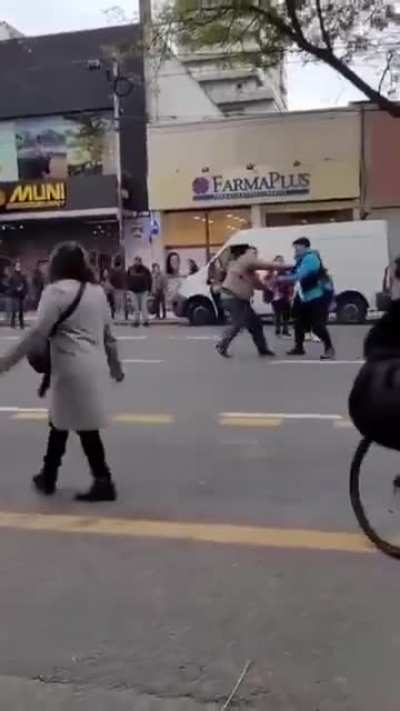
<point>354,253</point>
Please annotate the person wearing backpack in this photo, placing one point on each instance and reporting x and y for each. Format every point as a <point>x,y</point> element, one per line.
<point>314,292</point>
<point>374,401</point>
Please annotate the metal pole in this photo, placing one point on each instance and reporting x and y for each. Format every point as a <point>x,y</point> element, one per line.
<point>145,12</point>
<point>147,51</point>
<point>117,147</point>
<point>208,236</point>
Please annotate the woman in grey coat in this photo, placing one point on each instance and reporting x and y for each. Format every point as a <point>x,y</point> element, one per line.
<point>80,350</point>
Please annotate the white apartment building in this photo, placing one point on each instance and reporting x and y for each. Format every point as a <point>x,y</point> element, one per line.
<point>237,89</point>
<point>8,32</point>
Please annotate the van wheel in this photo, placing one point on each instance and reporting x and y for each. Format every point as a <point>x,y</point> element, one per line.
<point>351,309</point>
<point>201,313</point>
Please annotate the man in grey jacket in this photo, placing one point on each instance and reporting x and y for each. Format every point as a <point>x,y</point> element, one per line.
<point>237,292</point>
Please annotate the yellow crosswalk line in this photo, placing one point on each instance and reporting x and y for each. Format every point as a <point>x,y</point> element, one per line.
<point>137,419</point>
<point>343,424</point>
<point>250,421</point>
<point>222,534</point>
<point>30,416</point>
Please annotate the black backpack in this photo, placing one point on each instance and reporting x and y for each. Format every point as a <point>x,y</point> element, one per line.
<point>374,402</point>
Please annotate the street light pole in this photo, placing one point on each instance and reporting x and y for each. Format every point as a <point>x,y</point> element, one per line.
<point>145,16</point>
<point>117,146</point>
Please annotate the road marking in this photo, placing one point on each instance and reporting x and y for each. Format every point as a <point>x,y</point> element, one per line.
<point>344,424</point>
<point>138,361</point>
<point>131,338</point>
<point>281,415</point>
<point>132,418</point>
<point>31,416</point>
<point>223,534</point>
<point>39,414</point>
<point>317,362</point>
<point>250,422</point>
<point>12,409</point>
<point>201,338</point>
<point>193,338</point>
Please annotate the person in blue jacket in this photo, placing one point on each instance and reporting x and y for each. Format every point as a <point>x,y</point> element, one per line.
<point>314,295</point>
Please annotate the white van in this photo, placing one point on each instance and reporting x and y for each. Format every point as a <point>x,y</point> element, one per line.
<point>354,253</point>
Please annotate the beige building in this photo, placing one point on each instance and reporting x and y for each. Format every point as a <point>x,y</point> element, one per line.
<point>209,179</point>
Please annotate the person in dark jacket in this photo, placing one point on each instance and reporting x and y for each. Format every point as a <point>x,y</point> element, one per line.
<point>5,291</point>
<point>18,291</point>
<point>37,284</point>
<point>139,284</point>
<point>281,299</point>
<point>314,293</point>
<point>118,279</point>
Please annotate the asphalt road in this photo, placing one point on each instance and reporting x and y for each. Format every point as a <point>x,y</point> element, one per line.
<point>232,541</point>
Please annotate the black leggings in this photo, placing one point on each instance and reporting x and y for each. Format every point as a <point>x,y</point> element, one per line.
<point>92,446</point>
<point>282,315</point>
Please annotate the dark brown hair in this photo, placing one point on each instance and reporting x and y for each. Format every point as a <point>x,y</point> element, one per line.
<point>69,261</point>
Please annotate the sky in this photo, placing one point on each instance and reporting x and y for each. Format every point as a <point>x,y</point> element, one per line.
<point>309,87</point>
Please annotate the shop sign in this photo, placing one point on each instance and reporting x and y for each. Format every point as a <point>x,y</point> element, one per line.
<point>33,196</point>
<point>272,184</point>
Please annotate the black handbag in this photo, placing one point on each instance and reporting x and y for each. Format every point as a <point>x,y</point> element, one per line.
<point>39,357</point>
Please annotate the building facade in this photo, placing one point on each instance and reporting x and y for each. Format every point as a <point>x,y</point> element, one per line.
<point>238,89</point>
<point>69,167</point>
<point>8,31</point>
<point>380,169</point>
<point>207,180</point>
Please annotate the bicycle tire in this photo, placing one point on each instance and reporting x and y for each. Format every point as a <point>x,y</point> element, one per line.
<point>358,508</point>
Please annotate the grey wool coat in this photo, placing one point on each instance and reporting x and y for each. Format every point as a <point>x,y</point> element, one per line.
<point>81,350</point>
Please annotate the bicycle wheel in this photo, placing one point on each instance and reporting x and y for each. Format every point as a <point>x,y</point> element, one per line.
<point>374,497</point>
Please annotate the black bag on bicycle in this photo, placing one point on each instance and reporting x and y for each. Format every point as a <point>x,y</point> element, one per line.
<point>39,357</point>
<point>374,402</point>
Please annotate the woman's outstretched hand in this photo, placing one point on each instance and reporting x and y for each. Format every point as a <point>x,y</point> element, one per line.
<point>118,376</point>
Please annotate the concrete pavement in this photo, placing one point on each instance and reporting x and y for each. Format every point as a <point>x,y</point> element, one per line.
<point>233,540</point>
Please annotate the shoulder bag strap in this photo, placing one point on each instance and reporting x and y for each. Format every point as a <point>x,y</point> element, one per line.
<point>69,310</point>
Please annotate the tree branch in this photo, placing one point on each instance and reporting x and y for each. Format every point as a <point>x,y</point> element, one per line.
<point>324,31</point>
<point>285,21</point>
<point>386,70</point>
<point>327,55</point>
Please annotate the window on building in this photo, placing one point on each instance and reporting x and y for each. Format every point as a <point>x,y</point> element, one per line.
<point>205,229</point>
<point>285,219</point>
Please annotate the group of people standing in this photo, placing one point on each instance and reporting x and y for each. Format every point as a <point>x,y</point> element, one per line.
<point>303,291</point>
<point>141,290</point>
<point>133,290</point>
<point>137,290</point>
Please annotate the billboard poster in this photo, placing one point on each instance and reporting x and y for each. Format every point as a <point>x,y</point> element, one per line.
<point>37,195</point>
<point>8,152</point>
<point>57,147</point>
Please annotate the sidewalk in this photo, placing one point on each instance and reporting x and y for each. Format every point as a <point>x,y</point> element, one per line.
<point>171,320</point>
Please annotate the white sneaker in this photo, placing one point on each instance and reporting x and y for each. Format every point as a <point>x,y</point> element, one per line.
<point>312,338</point>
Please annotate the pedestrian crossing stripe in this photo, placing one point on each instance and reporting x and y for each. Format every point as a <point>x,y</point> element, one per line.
<point>344,424</point>
<point>225,419</point>
<point>196,532</point>
<point>30,416</point>
<point>250,422</point>
<point>137,419</point>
